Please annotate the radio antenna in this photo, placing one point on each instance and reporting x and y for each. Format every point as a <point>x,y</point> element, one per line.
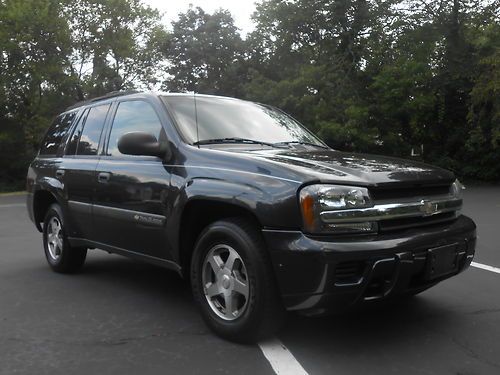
<point>196,120</point>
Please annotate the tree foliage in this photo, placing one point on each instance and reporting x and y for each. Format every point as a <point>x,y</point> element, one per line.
<point>54,53</point>
<point>386,76</point>
<point>204,53</point>
<point>383,76</point>
<point>115,45</point>
<point>33,43</point>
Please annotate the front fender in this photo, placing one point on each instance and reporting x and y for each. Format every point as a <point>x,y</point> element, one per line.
<point>272,201</point>
<point>243,195</point>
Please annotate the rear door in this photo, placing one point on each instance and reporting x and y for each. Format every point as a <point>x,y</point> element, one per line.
<point>130,205</point>
<point>47,170</point>
<point>79,168</point>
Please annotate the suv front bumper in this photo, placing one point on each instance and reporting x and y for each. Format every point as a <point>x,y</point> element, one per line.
<point>322,274</point>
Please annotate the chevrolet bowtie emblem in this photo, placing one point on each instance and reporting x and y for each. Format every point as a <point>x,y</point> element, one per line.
<point>428,208</point>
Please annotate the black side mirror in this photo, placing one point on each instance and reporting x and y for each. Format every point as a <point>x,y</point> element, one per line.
<point>144,144</point>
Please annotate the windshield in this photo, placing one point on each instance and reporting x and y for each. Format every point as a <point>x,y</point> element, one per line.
<point>230,119</point>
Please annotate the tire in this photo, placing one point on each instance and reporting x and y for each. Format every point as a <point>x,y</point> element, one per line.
<point>61,256</point>
<point>252,317</point>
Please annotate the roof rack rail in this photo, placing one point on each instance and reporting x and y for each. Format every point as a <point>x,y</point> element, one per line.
<point>109,95</point>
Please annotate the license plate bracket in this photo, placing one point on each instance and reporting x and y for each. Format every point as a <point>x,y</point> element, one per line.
<point>441,261</point>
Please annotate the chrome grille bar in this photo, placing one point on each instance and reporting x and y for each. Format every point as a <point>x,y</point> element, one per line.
<point>422,208</point>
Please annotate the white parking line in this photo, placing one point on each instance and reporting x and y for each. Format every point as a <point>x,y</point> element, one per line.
<point>13,205</point>
<point>282,361</point>
<point>485,267</point>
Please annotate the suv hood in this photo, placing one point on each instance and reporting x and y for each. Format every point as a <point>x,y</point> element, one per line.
<point>364,169</point>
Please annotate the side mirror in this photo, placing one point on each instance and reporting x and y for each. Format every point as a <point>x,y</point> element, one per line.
<point>143,144</point>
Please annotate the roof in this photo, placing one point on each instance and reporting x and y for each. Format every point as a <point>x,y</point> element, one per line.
<point>109,95</point>
<point>115,94</point>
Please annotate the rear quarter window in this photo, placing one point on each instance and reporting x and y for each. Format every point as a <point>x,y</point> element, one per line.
<point>77,132</point>
<point>56,134</point>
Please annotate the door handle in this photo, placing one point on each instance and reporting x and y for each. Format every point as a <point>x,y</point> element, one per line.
<point>103,177</point>
<point>60,173</point>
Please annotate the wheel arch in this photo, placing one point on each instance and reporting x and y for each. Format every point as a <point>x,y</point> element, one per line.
<point>192,223</point>
<point>42,200</point>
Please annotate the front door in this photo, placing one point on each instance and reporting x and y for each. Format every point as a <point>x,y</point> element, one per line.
<point>130,205</point>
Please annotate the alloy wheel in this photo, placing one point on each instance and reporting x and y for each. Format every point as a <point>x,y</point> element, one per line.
<point>225,282</point>
<point>54,238</point>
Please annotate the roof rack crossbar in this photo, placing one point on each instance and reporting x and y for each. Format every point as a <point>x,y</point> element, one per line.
<point>112,94</point>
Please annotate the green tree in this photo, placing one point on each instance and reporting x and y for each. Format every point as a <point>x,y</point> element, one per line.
<point>482,144</point>
<point>53,53</point>
<point>314,57</point>
<point>115,45</point>
<point>446,32</point>
<point>204,53</point>
<point>385,76</point>
<point>34,41</point>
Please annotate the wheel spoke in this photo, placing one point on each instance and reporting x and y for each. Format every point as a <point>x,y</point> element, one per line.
<point>230,260</point>
<point>240,287</point>
<point>59,242</point>
<point>228,301</point>
<point>212,290</point>
<point>58,246</point>
<point>216,263</point>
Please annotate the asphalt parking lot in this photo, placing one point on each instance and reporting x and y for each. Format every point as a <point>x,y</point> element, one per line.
<point>123,317</point>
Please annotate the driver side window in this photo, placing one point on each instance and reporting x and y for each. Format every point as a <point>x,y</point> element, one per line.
<point>136,115</point>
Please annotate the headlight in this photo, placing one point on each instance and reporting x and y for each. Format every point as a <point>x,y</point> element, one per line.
<point>315,199</point>
<point>456,189</point>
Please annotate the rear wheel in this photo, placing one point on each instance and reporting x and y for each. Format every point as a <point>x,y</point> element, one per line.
<point>61,256</point>
<point>233,282</point>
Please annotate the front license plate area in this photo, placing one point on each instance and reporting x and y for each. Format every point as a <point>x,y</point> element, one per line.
<point>441,261</point>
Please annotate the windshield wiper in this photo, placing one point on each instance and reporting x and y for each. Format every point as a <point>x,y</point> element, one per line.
<point>300,143</point>
<point>233,140</point>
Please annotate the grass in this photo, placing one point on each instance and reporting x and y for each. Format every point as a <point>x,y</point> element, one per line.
<point>11,186</point>
<point>6,194</point>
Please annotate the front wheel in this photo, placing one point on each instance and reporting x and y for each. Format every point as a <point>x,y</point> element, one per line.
<point>61,256</point>
<point>233,282</point>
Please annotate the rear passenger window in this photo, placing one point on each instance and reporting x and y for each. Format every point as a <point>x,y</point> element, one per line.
<point>75,137</point>
<point>56,133</point>
<point>92,129</point>
<point>132,116</point>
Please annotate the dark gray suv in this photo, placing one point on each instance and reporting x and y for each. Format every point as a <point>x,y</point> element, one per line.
<point>238,197</point>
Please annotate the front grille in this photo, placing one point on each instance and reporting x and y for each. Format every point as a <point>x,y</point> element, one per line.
<point>382,194</point>
<point>411,194</point>
<point>411,222</point>
<point>349,272</point>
